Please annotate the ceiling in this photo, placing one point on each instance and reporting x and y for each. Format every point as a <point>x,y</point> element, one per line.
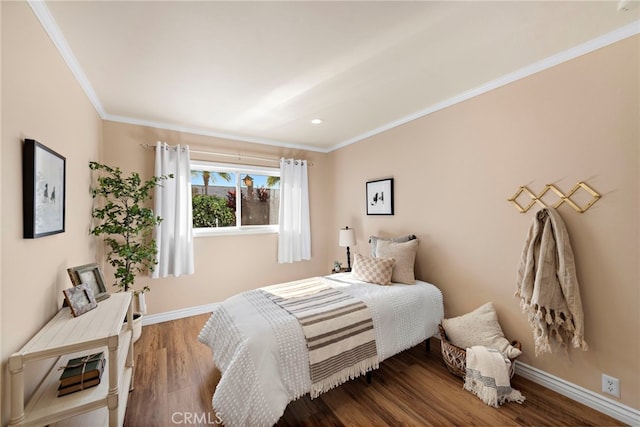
<point>261,71</point>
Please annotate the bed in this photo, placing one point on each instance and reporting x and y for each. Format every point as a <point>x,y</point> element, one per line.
<point>261,350</point>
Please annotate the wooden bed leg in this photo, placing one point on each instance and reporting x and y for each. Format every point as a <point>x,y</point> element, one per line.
<point>369,377</point>
<point>428,345</point>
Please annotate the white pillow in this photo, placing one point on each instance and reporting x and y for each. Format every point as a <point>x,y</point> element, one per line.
<point>375,239</point>
<point>405,256</point>
<point>373,270</point>
<point>479,327</point>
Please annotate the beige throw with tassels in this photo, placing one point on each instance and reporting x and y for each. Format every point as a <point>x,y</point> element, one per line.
<point>487,376</point>
<point>547,284</point>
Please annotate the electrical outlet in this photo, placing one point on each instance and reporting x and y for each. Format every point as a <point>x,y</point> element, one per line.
<point>610,385</point>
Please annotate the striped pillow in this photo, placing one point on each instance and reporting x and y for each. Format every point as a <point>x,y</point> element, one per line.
<point>373,270</point>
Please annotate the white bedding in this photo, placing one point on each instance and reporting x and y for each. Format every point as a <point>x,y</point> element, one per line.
<point>261,351</point>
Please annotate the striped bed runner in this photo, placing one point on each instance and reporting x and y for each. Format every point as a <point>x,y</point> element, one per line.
<point>338,329</point>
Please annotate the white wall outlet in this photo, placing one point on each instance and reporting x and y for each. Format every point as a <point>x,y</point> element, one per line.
<point>610,385</point>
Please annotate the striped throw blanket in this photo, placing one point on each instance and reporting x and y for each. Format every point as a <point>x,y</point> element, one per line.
<point>487,376</point>
<point>338,329</point>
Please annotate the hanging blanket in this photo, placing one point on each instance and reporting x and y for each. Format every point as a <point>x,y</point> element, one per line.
<point>487,376</point>
<point>338,329</point>
<point>548,286</point>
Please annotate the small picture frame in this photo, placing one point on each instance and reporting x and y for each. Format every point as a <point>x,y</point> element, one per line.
<point>90,275</point>
<point>43,190</point>
<point>80,299</point>
<point>380,197</point>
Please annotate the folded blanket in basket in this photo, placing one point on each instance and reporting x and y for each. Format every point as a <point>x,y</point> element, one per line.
<point>338,329</point>
<point>487,376</point>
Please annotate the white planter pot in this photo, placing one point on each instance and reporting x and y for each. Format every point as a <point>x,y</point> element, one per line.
<point>137,325</point>
<point>142,303</point>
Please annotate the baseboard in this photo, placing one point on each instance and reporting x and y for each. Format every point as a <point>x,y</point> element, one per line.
<point>607,406</point>
<point>150,319</point>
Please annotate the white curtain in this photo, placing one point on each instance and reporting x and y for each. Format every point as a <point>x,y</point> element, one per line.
<point>294,240</point>
<point>174,235</point>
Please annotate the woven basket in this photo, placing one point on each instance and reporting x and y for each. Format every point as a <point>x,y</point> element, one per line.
<point>455,358</point>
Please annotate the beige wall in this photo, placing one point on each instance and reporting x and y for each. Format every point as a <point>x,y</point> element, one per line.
<point>41,100</point>
<point>1,353</point>
<point>455,169</point>
<point>224,265</point>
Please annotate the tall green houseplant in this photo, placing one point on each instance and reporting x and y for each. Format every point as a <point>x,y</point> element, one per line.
<point>125,222</point>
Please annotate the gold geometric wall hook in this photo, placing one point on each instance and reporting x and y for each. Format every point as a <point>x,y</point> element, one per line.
<point>528,192</point>
<point>561,196</point>
<point>594,195</point>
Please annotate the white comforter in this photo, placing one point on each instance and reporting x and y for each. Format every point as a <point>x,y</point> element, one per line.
<point>261,351</point>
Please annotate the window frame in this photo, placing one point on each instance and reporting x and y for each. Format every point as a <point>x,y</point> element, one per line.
<point>238,170</point>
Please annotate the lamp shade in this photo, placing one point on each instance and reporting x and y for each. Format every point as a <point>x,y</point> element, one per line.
<point>347,237</point>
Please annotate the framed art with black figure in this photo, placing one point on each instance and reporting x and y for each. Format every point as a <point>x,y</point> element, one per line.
<point>380,197</point>
<point>43,190</point>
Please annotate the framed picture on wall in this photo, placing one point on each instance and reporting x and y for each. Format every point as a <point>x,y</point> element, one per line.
<point>43,190</point>
<point>380,197</point>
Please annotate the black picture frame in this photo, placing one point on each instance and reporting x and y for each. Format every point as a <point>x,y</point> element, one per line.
<point>90,275</point>
<point>43,190</point>
<point>380,197</point>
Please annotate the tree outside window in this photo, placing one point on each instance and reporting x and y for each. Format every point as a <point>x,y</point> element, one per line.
<point>215,201</point>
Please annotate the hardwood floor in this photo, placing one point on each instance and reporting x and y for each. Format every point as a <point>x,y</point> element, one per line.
<point>175,378</point>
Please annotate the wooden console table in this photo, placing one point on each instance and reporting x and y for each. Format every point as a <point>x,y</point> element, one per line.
<point>67,337</point>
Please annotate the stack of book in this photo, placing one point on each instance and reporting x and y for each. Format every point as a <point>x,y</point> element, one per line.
<point>81,373</point>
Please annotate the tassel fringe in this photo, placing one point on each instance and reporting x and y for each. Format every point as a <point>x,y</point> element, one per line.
<point>545,324</point>
<point>489,395</point>
<point>343,376</point>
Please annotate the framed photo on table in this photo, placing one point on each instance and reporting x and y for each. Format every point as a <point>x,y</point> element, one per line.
<point>80,299</point>
<point>90,275</point>
<point>43,190</point>
<point>380,197</point>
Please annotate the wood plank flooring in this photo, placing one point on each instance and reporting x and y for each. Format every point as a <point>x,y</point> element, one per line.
<point>175,379</point>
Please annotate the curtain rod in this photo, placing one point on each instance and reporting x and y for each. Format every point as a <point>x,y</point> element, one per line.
<point>238,156</point>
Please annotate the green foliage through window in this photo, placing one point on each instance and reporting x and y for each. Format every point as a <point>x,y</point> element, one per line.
<point>234,196</point>
<point>212,211</point>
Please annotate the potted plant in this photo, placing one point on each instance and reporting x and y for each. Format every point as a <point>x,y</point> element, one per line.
<point>127,224</point>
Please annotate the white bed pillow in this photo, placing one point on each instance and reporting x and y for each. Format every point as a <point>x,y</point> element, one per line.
<point>375,239</point>
<point>479,327</point>
<point>373,270</point>
<point>405,255</point>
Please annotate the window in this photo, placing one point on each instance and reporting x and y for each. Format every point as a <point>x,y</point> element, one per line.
<point>217,209</point>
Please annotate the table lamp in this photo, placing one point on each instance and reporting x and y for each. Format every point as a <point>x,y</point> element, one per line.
<point>347,238</point>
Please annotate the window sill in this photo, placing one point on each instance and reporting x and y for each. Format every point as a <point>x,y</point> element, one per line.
<point>234,231</point>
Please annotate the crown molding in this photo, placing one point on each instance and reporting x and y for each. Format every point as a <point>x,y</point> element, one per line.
<point>43,14</point>
<point>47,21</point>
<point>551,61</point>
<point>195,131</point>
